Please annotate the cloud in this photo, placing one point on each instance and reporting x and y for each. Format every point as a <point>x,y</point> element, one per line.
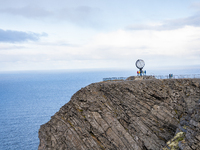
<point>124,44</point>
<point>170,24</point>
<point>116,49</point>
<point>195,5</point>
<point>11,36</point>
<point>28,11</point>
<point>14,47</point>
<point>82,15</point>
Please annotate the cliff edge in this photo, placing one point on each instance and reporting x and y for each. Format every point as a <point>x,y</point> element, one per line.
<point>128,115</point>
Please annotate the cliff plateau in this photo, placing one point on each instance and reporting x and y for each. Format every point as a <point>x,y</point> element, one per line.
<point>128,115</point>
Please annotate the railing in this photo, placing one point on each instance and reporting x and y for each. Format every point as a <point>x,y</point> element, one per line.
<point>191,76</point>
<point>114,78</point>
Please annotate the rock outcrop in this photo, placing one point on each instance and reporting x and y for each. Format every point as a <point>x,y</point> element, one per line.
<point>140,77</point>
<point>128,115</point>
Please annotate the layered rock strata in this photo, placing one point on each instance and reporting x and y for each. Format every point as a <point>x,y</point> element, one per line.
<point>127,115</point>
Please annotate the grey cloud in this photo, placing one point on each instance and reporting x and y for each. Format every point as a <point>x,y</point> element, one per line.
<point>195,5</point>
<point>74,14</point>
<point>170,24</point>
<point>28,11</point>
<point>11,36</point>
<point>82,15</point>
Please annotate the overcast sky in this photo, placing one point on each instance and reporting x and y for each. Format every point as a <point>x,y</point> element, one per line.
<point>80,34</point>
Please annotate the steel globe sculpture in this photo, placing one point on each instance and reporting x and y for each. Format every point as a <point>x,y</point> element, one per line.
<point>140,65</point>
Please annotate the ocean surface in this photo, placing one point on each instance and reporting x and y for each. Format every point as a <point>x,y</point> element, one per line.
<point>28,99</point>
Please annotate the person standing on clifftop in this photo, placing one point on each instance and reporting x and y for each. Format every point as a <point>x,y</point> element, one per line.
<point>137,73</point>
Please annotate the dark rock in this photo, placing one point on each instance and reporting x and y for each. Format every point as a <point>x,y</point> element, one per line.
<point>126,115</point>
<point>140,77</point>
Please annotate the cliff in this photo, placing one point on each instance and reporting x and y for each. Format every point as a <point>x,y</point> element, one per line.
<point>128,115</point>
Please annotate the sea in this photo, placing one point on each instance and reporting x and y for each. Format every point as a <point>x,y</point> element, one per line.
<point>28,99</point>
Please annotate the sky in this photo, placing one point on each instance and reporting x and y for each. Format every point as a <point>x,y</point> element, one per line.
<point>98,34</point>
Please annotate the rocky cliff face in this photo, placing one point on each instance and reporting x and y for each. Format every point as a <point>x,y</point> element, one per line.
<point>128,115</point>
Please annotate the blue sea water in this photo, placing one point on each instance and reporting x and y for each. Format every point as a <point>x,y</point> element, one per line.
<point>29,99</point>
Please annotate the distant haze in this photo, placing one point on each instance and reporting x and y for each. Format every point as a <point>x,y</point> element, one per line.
<point>63,34</point>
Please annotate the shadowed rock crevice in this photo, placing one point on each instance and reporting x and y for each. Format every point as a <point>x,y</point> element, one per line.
<point>123,115</point>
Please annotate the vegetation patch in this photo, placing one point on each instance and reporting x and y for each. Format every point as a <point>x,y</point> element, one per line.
<point>97,140</point>
<point>80,110</point>
<point>173,143</point>
<point>104,96</point>
<point>70,124</point>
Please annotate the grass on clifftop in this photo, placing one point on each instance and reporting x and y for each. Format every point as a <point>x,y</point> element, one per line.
<point>173,143</point>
